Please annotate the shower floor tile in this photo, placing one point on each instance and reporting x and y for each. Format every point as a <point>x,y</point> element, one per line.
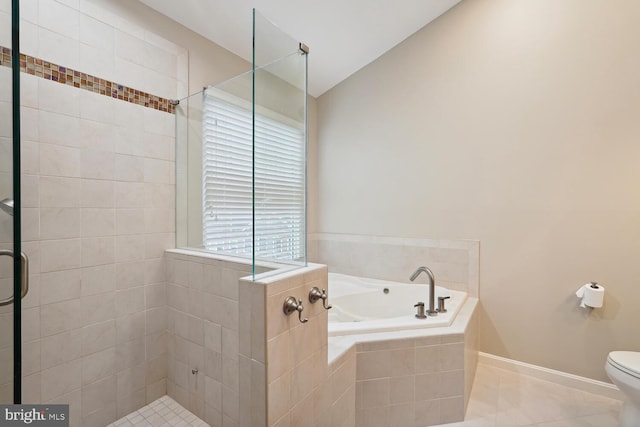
<point>162,412</point>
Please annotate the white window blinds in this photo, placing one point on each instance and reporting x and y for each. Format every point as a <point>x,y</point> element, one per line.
<point>227,186</point>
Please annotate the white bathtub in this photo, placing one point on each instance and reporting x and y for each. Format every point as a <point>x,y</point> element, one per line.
<point>361,306</point>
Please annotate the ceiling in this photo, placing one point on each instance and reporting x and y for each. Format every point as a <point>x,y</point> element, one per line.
<point>343,35</point>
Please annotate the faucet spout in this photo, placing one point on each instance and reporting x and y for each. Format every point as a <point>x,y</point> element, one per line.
<point>422,270</point>
<point>432,287</point>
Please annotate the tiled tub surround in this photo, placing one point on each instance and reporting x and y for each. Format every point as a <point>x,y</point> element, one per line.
<point>97,177</point>
<point>426,382</point>
<point>455,263</point>
<point>405,378</point>
<point>416,377</point>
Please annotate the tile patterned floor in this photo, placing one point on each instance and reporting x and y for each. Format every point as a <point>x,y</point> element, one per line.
<point>501,398</point>
<point>162,412</point>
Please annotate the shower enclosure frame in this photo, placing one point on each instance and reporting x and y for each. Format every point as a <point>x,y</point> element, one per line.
<point>19,262</point>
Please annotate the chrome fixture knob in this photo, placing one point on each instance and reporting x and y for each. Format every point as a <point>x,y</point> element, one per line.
<point>420,310</point>
<point>315,294</point>
<point>441,308</point>
<point>292,305</point>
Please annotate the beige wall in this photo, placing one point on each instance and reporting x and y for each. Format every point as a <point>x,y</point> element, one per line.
<point>514,123</point>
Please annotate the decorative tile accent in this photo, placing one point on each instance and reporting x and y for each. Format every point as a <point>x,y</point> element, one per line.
<point>68,76</point>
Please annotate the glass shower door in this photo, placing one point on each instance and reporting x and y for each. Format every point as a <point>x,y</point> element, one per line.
<point>12,287</point>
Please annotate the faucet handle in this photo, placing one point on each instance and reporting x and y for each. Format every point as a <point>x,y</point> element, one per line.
<point>420,310</point>
<point>441,308</point>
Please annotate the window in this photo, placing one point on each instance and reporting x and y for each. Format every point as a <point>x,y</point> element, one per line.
<point>227,186</point>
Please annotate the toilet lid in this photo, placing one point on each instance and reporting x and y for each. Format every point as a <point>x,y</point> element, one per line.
<point>627,361</point>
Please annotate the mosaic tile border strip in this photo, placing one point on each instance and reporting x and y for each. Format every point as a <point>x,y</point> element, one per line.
<point>70,77</point>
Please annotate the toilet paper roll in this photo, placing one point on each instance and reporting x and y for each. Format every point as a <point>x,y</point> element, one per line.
<point>592,295</point>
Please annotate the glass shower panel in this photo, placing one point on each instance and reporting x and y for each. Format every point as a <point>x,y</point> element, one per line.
<point>214,164</point>
<point>227,222</point>
<point>189,172</point>
<point>270,43</point>
<point>280,145</point>
<point>241,159</point>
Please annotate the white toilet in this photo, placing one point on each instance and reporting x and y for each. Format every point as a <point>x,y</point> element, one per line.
<point>623,367</point>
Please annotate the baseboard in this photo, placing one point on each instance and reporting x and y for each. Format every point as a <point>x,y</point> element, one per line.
<point>551,375</point>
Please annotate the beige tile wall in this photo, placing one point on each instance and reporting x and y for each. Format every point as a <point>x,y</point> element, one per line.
<point>296,353</point>
<point>252,358</point>
<point>203,334</point>
<point>286,379</point>
<point>455,263</point>
<point>95,316</point>
<point>98,186</point>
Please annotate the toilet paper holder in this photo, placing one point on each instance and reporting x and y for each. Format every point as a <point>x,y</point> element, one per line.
<point>591,295</point>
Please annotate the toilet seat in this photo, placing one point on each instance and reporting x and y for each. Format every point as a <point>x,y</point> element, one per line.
<point>626,361</point>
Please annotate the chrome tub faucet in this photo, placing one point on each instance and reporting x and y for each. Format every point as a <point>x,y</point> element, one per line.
<point>432,288</point>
